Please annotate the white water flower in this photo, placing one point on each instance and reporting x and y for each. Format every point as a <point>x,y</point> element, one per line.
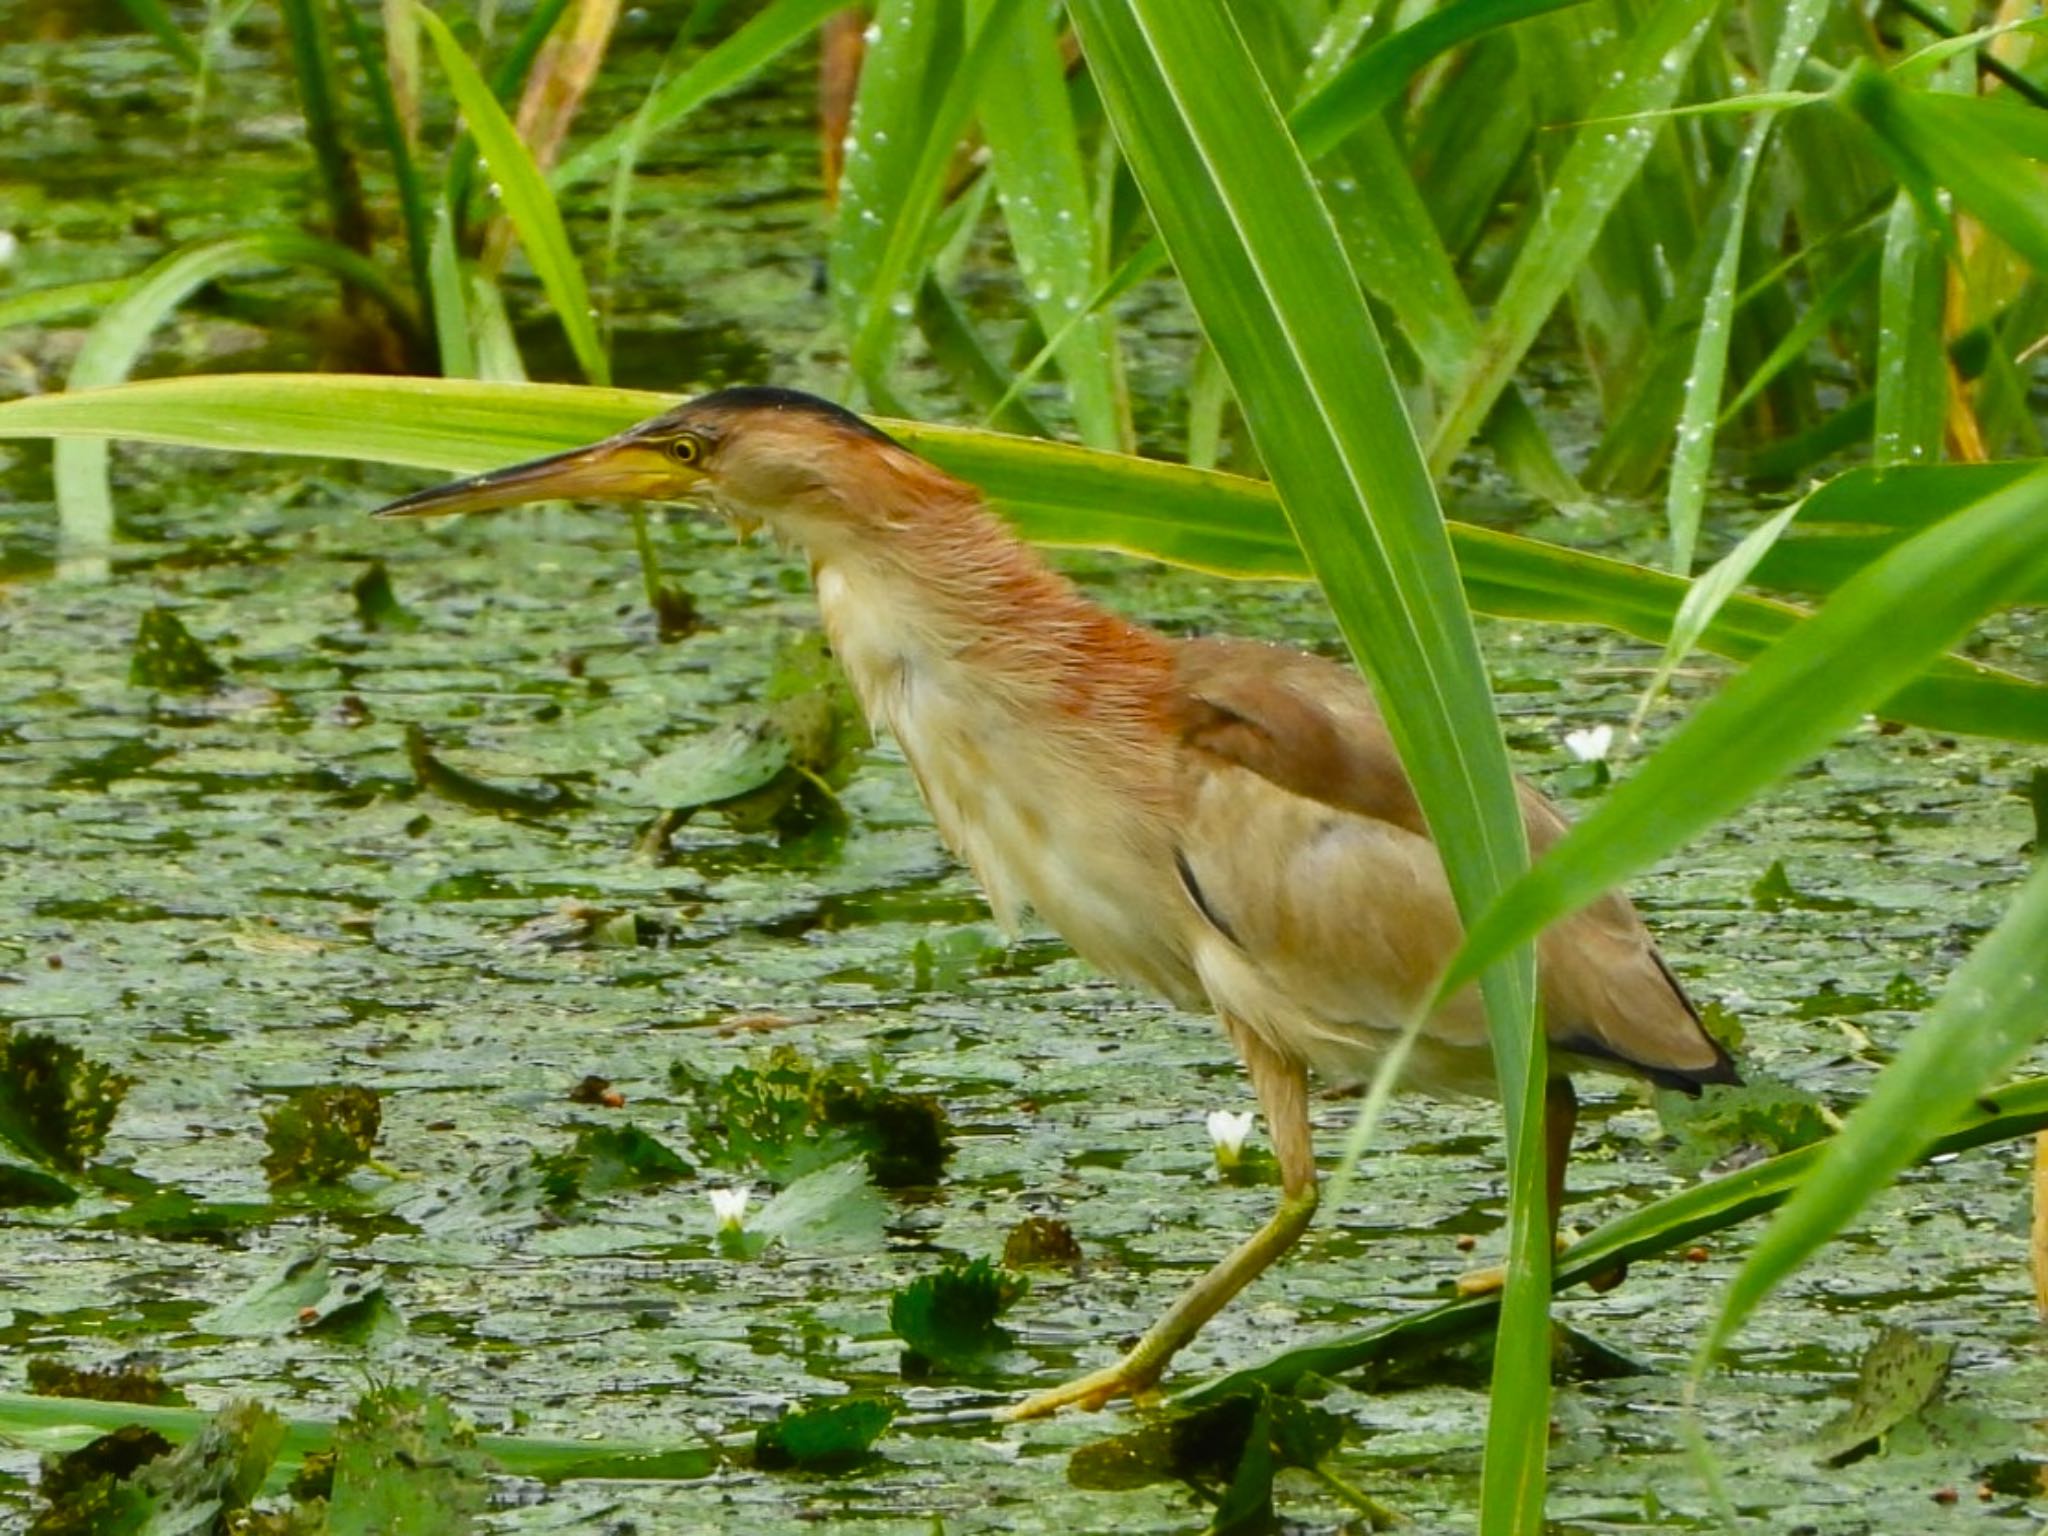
<point>730,1207</point>
<point>1590,746</point>
<point>1228,1131</point>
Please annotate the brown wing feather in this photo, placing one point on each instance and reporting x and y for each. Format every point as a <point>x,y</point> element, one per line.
<point>1311,728</point>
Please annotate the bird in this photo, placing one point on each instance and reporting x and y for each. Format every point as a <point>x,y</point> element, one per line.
<point>1223,822</point>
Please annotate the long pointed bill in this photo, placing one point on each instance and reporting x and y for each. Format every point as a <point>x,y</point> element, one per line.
<point>617,469</point>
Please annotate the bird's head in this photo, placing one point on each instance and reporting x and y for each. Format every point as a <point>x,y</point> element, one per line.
<point>811,471</point>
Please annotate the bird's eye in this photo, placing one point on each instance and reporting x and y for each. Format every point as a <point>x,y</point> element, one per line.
<point>687,448</point>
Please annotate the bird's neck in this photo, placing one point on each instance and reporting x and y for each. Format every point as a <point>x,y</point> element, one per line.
<point>948,606</point>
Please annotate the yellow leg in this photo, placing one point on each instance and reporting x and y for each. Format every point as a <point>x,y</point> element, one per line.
<point>1283,1094</point>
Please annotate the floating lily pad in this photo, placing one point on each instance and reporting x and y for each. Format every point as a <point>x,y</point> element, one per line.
<point>606,1159</point>
<point>403,1467</point>
<point>789,1117</point>
<point>833,1436</point>
<point>438,777</point>
<point>948,1319</point>
<point>49,1376</point>
<point>305,1293</point>
<point>1901,1374</point>
<point>56,1103</point>
<point>1762,1115</point>
<point>320,1135</point>
<point>166,656</point>
<point>377,604</point>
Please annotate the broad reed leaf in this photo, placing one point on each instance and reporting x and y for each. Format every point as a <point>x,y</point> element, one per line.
<point>1881,626</point>
<point>1270,283</point>
<point>1994,1008</point>
<point>1057,494</point>
<point>525,197</point>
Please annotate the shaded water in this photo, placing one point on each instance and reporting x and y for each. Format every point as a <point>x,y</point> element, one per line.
<point>232,895</point>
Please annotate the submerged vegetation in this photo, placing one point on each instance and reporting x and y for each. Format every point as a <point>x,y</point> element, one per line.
<point>465,968</point>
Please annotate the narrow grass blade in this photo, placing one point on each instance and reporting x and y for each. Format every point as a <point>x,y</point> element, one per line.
<point>398,145</point>
<point>1713,589</point>
<point>917,92</point>
<point>767,35</point>
<point>1374,80</point>
<point>312,55</point>
<point>85,503</point>
<point>1993,1009</point>
<point>447,293</point>
<point>39,306</point>
<point>1596,171</point>
<point>154,17</point>
<point>1271,284</point>
<point>1912,360</point>
<point>1693,459</point>
<point>1880,628</point>
<point>526,199</point>
<point>1057,494</point>
<point>1043,188</point>
<point>1827,307</point>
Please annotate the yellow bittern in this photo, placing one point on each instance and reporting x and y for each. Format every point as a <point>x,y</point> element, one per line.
<point>1224,822</point>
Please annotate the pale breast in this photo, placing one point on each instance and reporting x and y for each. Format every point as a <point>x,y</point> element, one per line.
<point>1026,800</point>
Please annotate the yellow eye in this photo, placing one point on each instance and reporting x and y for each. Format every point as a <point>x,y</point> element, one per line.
<point>687,448</point>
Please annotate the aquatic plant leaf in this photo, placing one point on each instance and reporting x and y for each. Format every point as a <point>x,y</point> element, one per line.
<point>1761,1115</point>
<point>832,1436</point>
<point>303,1292</point>
<point>1057,494</point>
<point>710,768</point>
<point>948,1318</point>
<point>186,1490</point>
<point>1773,891</point>
<point>402,1467</point>
<point>1900,1374</point>
<point>166,656</point>
<point>1041,1240</point>
<point>789,1117</point>
<point>437,777</point>
<point>835,1209</point>
<point>320,1135</point>
<point>56,1104</point>
<point>606,1159</point>
<point>377,604</point>
<point>49,1376</point>
<point>1229,1450</point>
<point>85,1490</point>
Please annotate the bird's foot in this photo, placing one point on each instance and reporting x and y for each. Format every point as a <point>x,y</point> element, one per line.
<point>1129,1377</point>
